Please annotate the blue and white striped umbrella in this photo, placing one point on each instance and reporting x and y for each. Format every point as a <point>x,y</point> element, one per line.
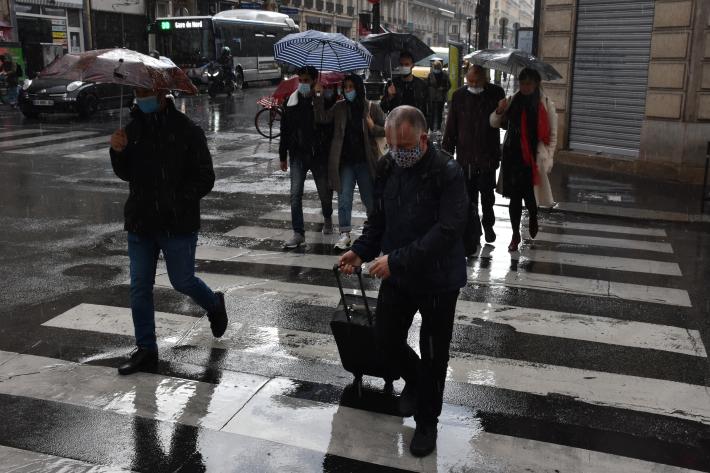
<point>325,51</point>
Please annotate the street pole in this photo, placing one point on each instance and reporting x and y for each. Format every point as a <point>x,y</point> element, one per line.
<point>536,28</point>
<point>482,12</point>
<point>469,21</point>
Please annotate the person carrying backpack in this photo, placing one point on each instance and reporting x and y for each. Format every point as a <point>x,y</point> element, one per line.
<point>417,224</point>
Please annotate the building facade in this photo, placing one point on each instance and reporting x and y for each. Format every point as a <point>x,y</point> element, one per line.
<point>518,13</point>
<point>635,92</point>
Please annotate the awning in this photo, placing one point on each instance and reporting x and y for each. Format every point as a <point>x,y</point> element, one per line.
<point>54,3</point>
<point>344,23</point>
<point>317,20</point>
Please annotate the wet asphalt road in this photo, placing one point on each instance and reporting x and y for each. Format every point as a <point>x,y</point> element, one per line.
<point>584,352</point>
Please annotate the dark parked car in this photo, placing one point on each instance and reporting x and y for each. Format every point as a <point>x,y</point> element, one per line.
<point>60,95</point>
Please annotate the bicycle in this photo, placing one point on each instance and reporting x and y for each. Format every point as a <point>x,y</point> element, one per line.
<point>268,119</point>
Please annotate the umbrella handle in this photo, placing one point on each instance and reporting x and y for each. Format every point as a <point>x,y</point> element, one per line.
<point>120,111</point>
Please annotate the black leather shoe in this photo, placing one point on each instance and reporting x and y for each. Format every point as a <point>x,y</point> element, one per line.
<point>471,248</point>
<point>490,235</point>
<point>424,440</point>
<point>218,317</point>
<point>141,360</point>
<point>408,401</point>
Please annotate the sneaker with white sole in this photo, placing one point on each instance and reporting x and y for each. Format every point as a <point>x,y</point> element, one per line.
<point>295,241</point>
<point>328,226</point>
<point>344,241</point>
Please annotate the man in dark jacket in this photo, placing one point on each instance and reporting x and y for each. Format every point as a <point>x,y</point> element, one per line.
<point>406,89</point>
<point>301,142</point>
<point>417,224</point>
<point>477,146</point>
<point>164,157</point>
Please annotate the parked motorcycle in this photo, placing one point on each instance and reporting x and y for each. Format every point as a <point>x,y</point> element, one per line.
<point>218,80</point>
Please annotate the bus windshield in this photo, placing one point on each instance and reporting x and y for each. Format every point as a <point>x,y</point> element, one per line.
<point>186,42</point>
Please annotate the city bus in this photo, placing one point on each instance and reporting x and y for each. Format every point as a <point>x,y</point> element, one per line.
<point>193,41</point>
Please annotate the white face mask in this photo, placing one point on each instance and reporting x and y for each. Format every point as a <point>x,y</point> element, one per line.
<point>475,90</point>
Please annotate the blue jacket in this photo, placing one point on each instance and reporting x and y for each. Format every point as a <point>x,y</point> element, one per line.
<point>418,220</point>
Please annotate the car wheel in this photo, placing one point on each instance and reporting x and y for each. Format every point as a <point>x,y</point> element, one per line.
<point>88,106</point>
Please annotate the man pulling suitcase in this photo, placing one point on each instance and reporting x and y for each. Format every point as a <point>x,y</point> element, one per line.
<point>417,224</point>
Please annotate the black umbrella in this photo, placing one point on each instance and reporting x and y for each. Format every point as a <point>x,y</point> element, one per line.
<point>386,48</point>
<point>512,61</point>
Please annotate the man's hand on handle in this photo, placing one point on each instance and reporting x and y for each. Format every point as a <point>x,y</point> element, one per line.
<point>380,267</point>
<point>349,261</point>
<point>119,140</point>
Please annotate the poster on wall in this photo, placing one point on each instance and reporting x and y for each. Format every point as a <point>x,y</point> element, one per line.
<point>59,32</point>
<point>13,50</point>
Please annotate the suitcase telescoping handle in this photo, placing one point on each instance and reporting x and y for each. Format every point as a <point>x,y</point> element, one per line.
<point>348,309</point>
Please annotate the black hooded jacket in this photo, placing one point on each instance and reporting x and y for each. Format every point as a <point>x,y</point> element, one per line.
<point>169,169</point>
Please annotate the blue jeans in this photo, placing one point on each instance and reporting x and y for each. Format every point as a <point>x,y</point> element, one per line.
<point>299,171</point>
<point>179,254</point>
<point>349,175</point>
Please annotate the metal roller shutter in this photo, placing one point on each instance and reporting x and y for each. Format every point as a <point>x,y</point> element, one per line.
<point>610,75</point>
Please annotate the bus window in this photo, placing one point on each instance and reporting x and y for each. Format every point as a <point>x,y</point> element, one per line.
<point>186,46</point>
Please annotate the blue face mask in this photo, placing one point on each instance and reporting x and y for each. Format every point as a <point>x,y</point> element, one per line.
<point>437,71</point>
<point>406,158</point>
<point>148,104</point>
<point>350,95</point>
<point>304,89</point>
<point>328,93</point>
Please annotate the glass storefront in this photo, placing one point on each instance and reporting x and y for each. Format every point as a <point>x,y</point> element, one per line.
<point>46,32</point>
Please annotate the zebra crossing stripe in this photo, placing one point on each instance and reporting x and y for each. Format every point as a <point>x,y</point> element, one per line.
<point>98,387</point>
<point>45,138</point>
<point>523,319</point>
<point>614,263</point>
<point>19,460</point>
<point>261,408</point>
<point>662,397</point>
<point>70,145</point>
<point>313,207</point>
<point>479,275</point>
<point>8,134</point>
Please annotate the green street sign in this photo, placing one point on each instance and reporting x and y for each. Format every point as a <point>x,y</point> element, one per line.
<point>164,25</point>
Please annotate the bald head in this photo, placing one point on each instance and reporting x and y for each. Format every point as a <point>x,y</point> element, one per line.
<point>406,127</point>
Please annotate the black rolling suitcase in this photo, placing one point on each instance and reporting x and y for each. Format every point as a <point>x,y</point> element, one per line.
<point>353,327</point>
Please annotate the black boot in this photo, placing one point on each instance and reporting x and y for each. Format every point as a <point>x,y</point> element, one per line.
<point>142,359</point>
<point>408,401</point>
<point>218,317</point>
<point>424,440</point>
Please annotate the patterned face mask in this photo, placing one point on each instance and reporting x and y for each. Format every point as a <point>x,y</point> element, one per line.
<point>406,158</point>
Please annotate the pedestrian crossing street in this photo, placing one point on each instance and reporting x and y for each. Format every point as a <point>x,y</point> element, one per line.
<point>576,354</point>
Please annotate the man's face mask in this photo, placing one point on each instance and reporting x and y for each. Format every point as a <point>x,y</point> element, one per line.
<point>437,71</point>
<point>148,104</point>
<point>475,90</point>
<point>406,157</point>
<point>304,89</point>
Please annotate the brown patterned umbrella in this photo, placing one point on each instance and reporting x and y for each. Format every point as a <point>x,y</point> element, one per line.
<point>120,66</point>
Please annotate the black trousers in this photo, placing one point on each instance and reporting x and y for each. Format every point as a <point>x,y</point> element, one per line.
<point>519,194</point>
<point>395,311</point>
<point>436,112</point>
<point>481,182</point>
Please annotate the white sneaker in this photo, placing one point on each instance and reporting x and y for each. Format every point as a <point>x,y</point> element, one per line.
<point>344,241</point>
<point>295,241</point>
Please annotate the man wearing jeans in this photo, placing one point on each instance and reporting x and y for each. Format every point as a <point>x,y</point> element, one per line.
<point>301,141</point>
<point>164,157</point>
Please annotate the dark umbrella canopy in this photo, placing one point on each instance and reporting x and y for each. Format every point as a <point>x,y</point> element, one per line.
<point>512,61</point>
<point>119,66</point>
<point>386,48</point>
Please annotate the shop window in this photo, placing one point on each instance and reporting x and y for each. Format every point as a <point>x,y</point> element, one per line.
<point>21,8</point>
<point>74,18</point>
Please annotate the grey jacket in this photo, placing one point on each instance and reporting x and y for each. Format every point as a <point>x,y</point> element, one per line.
<point>337,115</point>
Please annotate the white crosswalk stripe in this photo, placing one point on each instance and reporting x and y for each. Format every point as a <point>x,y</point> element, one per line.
<point>69,146</point>
<point>253,406</point>
<point>609,389</point>
<point>44,138</point>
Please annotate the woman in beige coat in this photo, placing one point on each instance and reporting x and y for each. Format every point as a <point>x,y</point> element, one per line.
<point>353,151</point>
<point>528,150</point>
